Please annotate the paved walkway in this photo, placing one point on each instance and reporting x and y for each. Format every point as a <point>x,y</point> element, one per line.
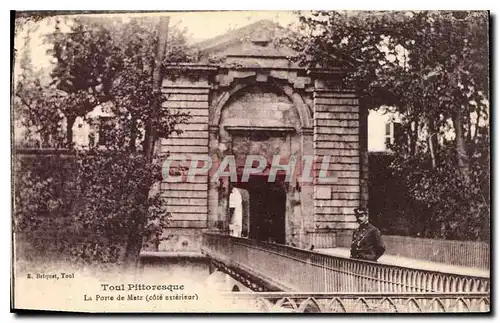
<point>414,263</point>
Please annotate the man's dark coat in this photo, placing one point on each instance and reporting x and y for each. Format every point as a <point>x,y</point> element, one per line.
<point>367,243</point>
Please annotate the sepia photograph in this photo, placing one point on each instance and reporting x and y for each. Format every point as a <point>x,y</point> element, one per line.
<point>251,162</point>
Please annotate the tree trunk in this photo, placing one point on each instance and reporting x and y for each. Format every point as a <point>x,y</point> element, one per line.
<point>431,152</point>
<point>134,241</point>
<point>474,132</point>
<point>133,134</point>
<point>413,134</point>
<point>69,131</point>
<point>157,80</point>
<point>145,142</point>
<point>45,139</point>
<point>432,142</point>
<point>133,250</point>
<point>462,156</point>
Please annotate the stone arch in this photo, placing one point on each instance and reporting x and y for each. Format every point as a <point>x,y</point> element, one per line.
<point>296,99</point>
<point>295,132</point>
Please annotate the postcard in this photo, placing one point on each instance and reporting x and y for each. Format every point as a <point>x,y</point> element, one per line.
<point>251,161</point>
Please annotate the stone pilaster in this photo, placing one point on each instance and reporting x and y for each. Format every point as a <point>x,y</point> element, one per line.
<point>363,147</point>
<point>213,192</point>
<point>307,191</point>
<point>337,145</point>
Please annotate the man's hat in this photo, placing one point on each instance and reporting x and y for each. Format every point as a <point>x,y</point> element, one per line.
<point>360,211</point>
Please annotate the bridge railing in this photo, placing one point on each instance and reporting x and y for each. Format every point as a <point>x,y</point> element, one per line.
<point>361,302</point>
<point>306,271</point>
<point>460,253</point>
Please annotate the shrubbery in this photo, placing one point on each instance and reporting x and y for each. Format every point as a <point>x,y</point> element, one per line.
<point>409,197</point>
<point>82,208</point>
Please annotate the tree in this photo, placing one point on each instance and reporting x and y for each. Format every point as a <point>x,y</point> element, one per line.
<point>109,61</point>
<point>86,64</point>
<point>36,107</point>
<point>35,104</point>
<point>104,60</point>
<point>432,67</point>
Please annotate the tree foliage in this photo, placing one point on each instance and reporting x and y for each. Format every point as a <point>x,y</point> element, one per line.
<point>104,62</point>
<point>432,67</point>
<point>35,104</point>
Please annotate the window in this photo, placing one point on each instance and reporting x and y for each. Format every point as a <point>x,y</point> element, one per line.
<point>393,130</point>
<point>398,130</point>
<point>388,134</point>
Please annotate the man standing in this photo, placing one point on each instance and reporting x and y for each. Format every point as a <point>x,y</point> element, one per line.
<point>367,241</point>
<point>235,213</point>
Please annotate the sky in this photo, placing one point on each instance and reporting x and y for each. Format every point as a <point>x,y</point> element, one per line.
<point>207,25</point>
<point>200,26</point>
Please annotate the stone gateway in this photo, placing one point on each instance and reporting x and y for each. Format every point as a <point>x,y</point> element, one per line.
<point>256,101</point>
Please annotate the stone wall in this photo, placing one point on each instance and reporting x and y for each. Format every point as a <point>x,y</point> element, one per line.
<point>187,200</point>
<point>260,106</point>
<point>336,133</point>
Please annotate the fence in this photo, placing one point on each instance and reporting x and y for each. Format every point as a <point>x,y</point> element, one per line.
<point>301,270</point>
<point>361,303</point>
<point>460,253</point>
<point>322,239</point>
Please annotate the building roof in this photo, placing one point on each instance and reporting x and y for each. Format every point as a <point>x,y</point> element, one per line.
<point>256,39</point>
<point>259,39</point>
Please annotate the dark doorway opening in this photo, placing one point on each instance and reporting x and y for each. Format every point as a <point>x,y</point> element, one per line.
<point>267,209</point>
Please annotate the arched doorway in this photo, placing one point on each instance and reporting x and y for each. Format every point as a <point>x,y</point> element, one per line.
<point>267,209</point>
<point>266,120</point>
